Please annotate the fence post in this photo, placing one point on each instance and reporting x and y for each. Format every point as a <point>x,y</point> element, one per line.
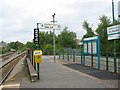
<point>92,60</point>
<point>106,61</point>
<point>73,56</point>
<point>68,56</point>
<point>71,53</point>
<point>59,54</point>
<point>32,56</point>
<point>81,56</point>
<point>63,54</point>
<point>115,66</point>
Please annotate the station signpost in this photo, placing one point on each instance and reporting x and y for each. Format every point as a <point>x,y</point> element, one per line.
<point>113,33</point>
<point>37,58</point>
<point>50,26</point>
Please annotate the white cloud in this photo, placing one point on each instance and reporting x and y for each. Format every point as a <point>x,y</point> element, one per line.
<point>19,17</point>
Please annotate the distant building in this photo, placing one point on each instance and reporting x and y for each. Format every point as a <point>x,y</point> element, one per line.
<point>3,44</point>
<point>79,41</point>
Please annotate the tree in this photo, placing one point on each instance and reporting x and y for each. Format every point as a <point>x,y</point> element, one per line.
<point>67,39</point>
<point>48,49</point>
<point>88,29</point>
<point>102,32</point>
<point>46,42</point>
<point>30,45</point>
<point>46,38</point>
<point>17,46</point>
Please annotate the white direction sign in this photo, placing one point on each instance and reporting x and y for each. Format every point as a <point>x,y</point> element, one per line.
<point>113,32</point>
<point>49,26</point>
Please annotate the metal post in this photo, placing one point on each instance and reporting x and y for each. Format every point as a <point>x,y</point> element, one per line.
<point>54,43</point>
<point>63,54</point>
<point>98,48</point>
<point>38,70</point>
<point>113,11</point>
<point>73,56</point>
<point>37,48</point>
<point>92,60</point>
<point>81,56</point>
<point>106,60</point>
<point>114,40</point>
<point>91,54</point>
<point>32,56</point>
<point>54,35</point>
<point>71,53</point>
<point>83,63</point>
<point>115,65</point>
<point>68,55</point>
<point>59,54</point>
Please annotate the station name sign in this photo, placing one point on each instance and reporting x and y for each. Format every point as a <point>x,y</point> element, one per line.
<point>113,32</point>
<point>36,35</point>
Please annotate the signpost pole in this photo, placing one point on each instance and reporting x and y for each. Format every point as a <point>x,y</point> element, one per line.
<point>98,47</point>
<point>114,39</point>
<point>38,49</point>
<point>91,54</point>
<point>54,36</point>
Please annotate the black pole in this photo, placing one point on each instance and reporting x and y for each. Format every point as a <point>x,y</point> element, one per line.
<point>38,65</point>
<point>113,11</point>
<point>54,36</point>
<point>115,66</point>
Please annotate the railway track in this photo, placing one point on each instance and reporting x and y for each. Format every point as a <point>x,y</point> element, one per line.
<point>6,56</point>
<point>7,66</point>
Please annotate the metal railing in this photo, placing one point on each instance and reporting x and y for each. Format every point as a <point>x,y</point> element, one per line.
<point>108,61</point>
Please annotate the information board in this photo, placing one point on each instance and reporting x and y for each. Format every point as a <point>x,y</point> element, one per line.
<point>85,47</point>
<point>94,47</point>
<point>91,46</point>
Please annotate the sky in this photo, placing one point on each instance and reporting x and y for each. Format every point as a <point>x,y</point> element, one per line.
<point>18,18</point>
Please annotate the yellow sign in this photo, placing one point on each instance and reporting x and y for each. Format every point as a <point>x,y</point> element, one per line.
<point>38,56</point>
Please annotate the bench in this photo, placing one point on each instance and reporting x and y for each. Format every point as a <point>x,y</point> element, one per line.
<point>32,72</point>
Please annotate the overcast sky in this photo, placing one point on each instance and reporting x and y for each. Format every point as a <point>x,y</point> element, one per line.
<point>19,17</point>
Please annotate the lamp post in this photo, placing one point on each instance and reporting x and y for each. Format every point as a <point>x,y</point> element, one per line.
<point>54,36</point>
<point>114,40</point>
<point>113,11</point>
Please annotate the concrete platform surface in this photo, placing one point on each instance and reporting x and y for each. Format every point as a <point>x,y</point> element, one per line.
<point>57,75</point>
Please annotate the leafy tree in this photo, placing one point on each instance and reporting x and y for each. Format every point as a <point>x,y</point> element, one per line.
<point>67,39</point>
<point>30,45</point>
<point>88,29</point>
<point>102,32</point>
<point>17,46</point>
<point>48,49</point>
<point>45,38</point>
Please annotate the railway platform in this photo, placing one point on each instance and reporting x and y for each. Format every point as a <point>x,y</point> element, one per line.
<point>66,75</point>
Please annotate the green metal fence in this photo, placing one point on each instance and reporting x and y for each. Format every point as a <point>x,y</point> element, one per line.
<point>107,60</point>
